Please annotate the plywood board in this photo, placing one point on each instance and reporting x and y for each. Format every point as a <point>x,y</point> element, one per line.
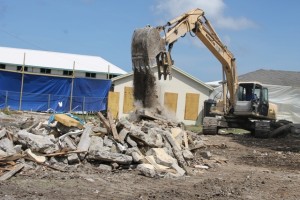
<point>170,101</point>
<point>128,100</point>
<point>113,103</point>
<point>191,106</point>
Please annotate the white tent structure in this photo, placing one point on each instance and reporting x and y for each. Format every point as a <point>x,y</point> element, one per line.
<point>35,59</point>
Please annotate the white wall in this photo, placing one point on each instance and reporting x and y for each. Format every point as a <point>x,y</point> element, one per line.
<point>179,84</point>
<point>58,72</point>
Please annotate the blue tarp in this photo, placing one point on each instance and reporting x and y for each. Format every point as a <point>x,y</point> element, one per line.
<point>41,93</point>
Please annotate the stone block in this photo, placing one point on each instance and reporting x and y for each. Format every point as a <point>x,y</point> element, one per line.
<point>109,157</point>
<point>107,142</point>
<point>122,135</point>
<point>137,158</point>
<point>188,155</point>
<point>73,158</point>
<point>131,142</point>
<point>147,170</point>
<point>105,167</point>
<point>38,143</point>
<point>161,157</point>
<point>7,146</point>
<point>96,143</point>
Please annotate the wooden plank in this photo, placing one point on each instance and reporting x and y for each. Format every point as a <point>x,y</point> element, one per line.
<point>67,120</point>
<point>104,121</point>
<point>113,126</point>
<point>128,100</point>
<point>113,103</point>
<point>170,101</point>
<point>9,174</point>
<point>185,138</point>
<point>191,106</point>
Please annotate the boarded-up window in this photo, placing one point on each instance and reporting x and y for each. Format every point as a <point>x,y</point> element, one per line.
<point>128,100</point>
<point>113,103</point>
<point>170,101</point>
<point>191,106</point>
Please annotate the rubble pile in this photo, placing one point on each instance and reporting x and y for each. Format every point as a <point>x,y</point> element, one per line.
<point>148,143</point>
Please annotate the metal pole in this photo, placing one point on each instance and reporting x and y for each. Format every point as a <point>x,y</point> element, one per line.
<point>22,83</point>
<point>72,85</point>
<point>83,107</point>
<point>108,71</point>
<point>49,97</point>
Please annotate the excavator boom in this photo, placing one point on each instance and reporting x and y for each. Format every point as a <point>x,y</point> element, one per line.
<point>149,48</point>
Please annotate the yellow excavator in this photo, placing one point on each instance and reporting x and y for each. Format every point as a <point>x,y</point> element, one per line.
<point>244,105</point>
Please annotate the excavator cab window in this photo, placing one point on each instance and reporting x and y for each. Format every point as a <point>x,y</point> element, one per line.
<point>249,92</point>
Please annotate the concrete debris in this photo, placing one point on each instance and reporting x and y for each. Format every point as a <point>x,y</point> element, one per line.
<point>7,146</point>
<point>147,170</point>
<point>105,167</point>
<point>2,133</point>
<point>96,143</point>
<point>109,157</point>
<point>161,157</point>
<point>38,143</point>
<point>147,142</point>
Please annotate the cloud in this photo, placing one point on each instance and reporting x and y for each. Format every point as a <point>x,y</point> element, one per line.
<point>214,10</point>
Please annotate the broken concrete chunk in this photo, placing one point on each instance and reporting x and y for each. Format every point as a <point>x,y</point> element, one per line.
<point>38,143</point>
<point>70,143</point>
<point>3,153</point>
<point>7,146</point>
<point>129,151</point>
<point>179,170</point>
<point>131,142</point>
<point>156,135</point>
<point>107,142</point>
<point>2,133</point>
<point>96,143</point>
<point>188,155</point>
<point>143,137</point>
<point>123,134</point>
<point>73,158</point>
<point>137,158</point>
<point>105,167</point>
<point>158,167</point>
<point>109,157</point>
<point>147,170</point>
<point>177,134</point>
<point>125,123</point>
<point>101,130</point>
<point>85,139</point>
<point>161,157</point>
<point>18,148</point>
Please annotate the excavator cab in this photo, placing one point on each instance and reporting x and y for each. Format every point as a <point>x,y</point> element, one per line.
<point>252,99</point>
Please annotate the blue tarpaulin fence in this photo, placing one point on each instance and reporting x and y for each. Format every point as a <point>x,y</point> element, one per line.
<point>41,93</point>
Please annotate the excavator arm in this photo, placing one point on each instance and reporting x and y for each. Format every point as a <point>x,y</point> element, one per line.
<point>149,48</point>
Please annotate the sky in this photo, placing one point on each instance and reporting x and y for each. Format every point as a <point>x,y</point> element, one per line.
<point>260,34</point>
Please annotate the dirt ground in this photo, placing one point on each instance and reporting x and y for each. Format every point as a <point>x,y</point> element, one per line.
<point>244,168</point>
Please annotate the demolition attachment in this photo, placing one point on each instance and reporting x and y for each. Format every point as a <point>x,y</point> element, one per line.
<point>148,50</point>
